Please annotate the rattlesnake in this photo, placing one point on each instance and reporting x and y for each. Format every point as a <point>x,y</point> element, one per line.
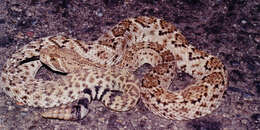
<point>103,70</point>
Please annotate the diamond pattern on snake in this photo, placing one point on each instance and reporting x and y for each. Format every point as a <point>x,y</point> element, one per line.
<point>103,70</point>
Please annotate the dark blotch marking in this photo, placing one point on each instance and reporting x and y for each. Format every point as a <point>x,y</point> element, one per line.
<point>166,109</point>
<point>158,101</point>
<point>4,79</point>
<point>141,23</point>
<point>103,93</point>
<point>76,110</point>
<point>7,89</point>
<point>114,58</point>
<point>24,97</point>
<point>97,90</point>
<point>84,102</point>
<point>215,96</point>
<point>36,103</point>
<point>88,91</point>
<point>193,101</point>
<point>70,93</point>
<point>152,95</point>
<point>185,102</point>
<point>100,52</point>
<point>163,33</point>
<point>198,113</point>
<point>47,99</point>
<point>164,103</point>
<point>216,86</point>
<point>16,91</point>
<point>54,41</point>
<point>34,58</point>
<point>115,93</point>
<point>65,41</point>
<point>164,114</point>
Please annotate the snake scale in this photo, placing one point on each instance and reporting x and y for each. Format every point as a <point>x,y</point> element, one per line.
<point>103,70</point>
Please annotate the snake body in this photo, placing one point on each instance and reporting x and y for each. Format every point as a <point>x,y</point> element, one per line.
<point>103,70</point>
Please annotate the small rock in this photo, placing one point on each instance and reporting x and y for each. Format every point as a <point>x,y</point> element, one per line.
<point>111,2</point>
<point>101,120</point>
<point>14,8</point>
<point>2,21</point>
<point>234,89</point>
<point>243,21</point>
<point>100,109</point>
<point>28,13</point>
<point>23,113</point>
<point>20,35</point>
<point>30,34</point>
<point>5,40</point>
<point>256,117</point>
<point>244,121</point>
<point>251,67</point>
<point>247,96</point>
<point>226,115</point>
<point>99,13</point>
<point>25,109</point>
<point>257,39</point>
<point>25,23</point>
<point>3,110</point>
<point>10,108</point>
<point>8,103</point>
<point>234,63</point>
<point>257,85</point>
<point>236,75</point>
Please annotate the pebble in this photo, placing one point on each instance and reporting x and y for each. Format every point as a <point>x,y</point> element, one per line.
<point>226,115</point>
<point>234,63</point>
<point>247,96</point>
<point>100,109</point>
<point>34,22</point>
<point>3,109</point>
<point>244,121</point>
<point>2,21</point>
<point>23,113</point>
<point>30,34</point>
<point>243,21</point>
<point>99,13</point>
<point>256,117</point>
<point>10,108</point>
<point>28,13</point>
<point>101,120</point>
<point>234,89</point>
<point>20,35</point>
<point>251,67</point>
<point>8,103</point>
<point>24,109</point>
<point>16,9</point>
<point>257,39</point>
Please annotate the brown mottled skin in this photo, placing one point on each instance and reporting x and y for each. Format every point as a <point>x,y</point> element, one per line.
<point>103,70</point>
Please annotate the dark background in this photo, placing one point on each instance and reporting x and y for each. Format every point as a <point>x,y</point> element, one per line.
<point>228,29</point>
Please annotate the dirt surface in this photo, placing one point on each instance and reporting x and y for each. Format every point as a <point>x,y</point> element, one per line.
<point>228,29</point>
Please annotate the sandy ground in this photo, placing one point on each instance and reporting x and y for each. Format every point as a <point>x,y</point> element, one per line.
<point>228,29</point>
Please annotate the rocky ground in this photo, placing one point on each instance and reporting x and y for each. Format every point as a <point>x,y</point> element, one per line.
<point>228,29</point>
